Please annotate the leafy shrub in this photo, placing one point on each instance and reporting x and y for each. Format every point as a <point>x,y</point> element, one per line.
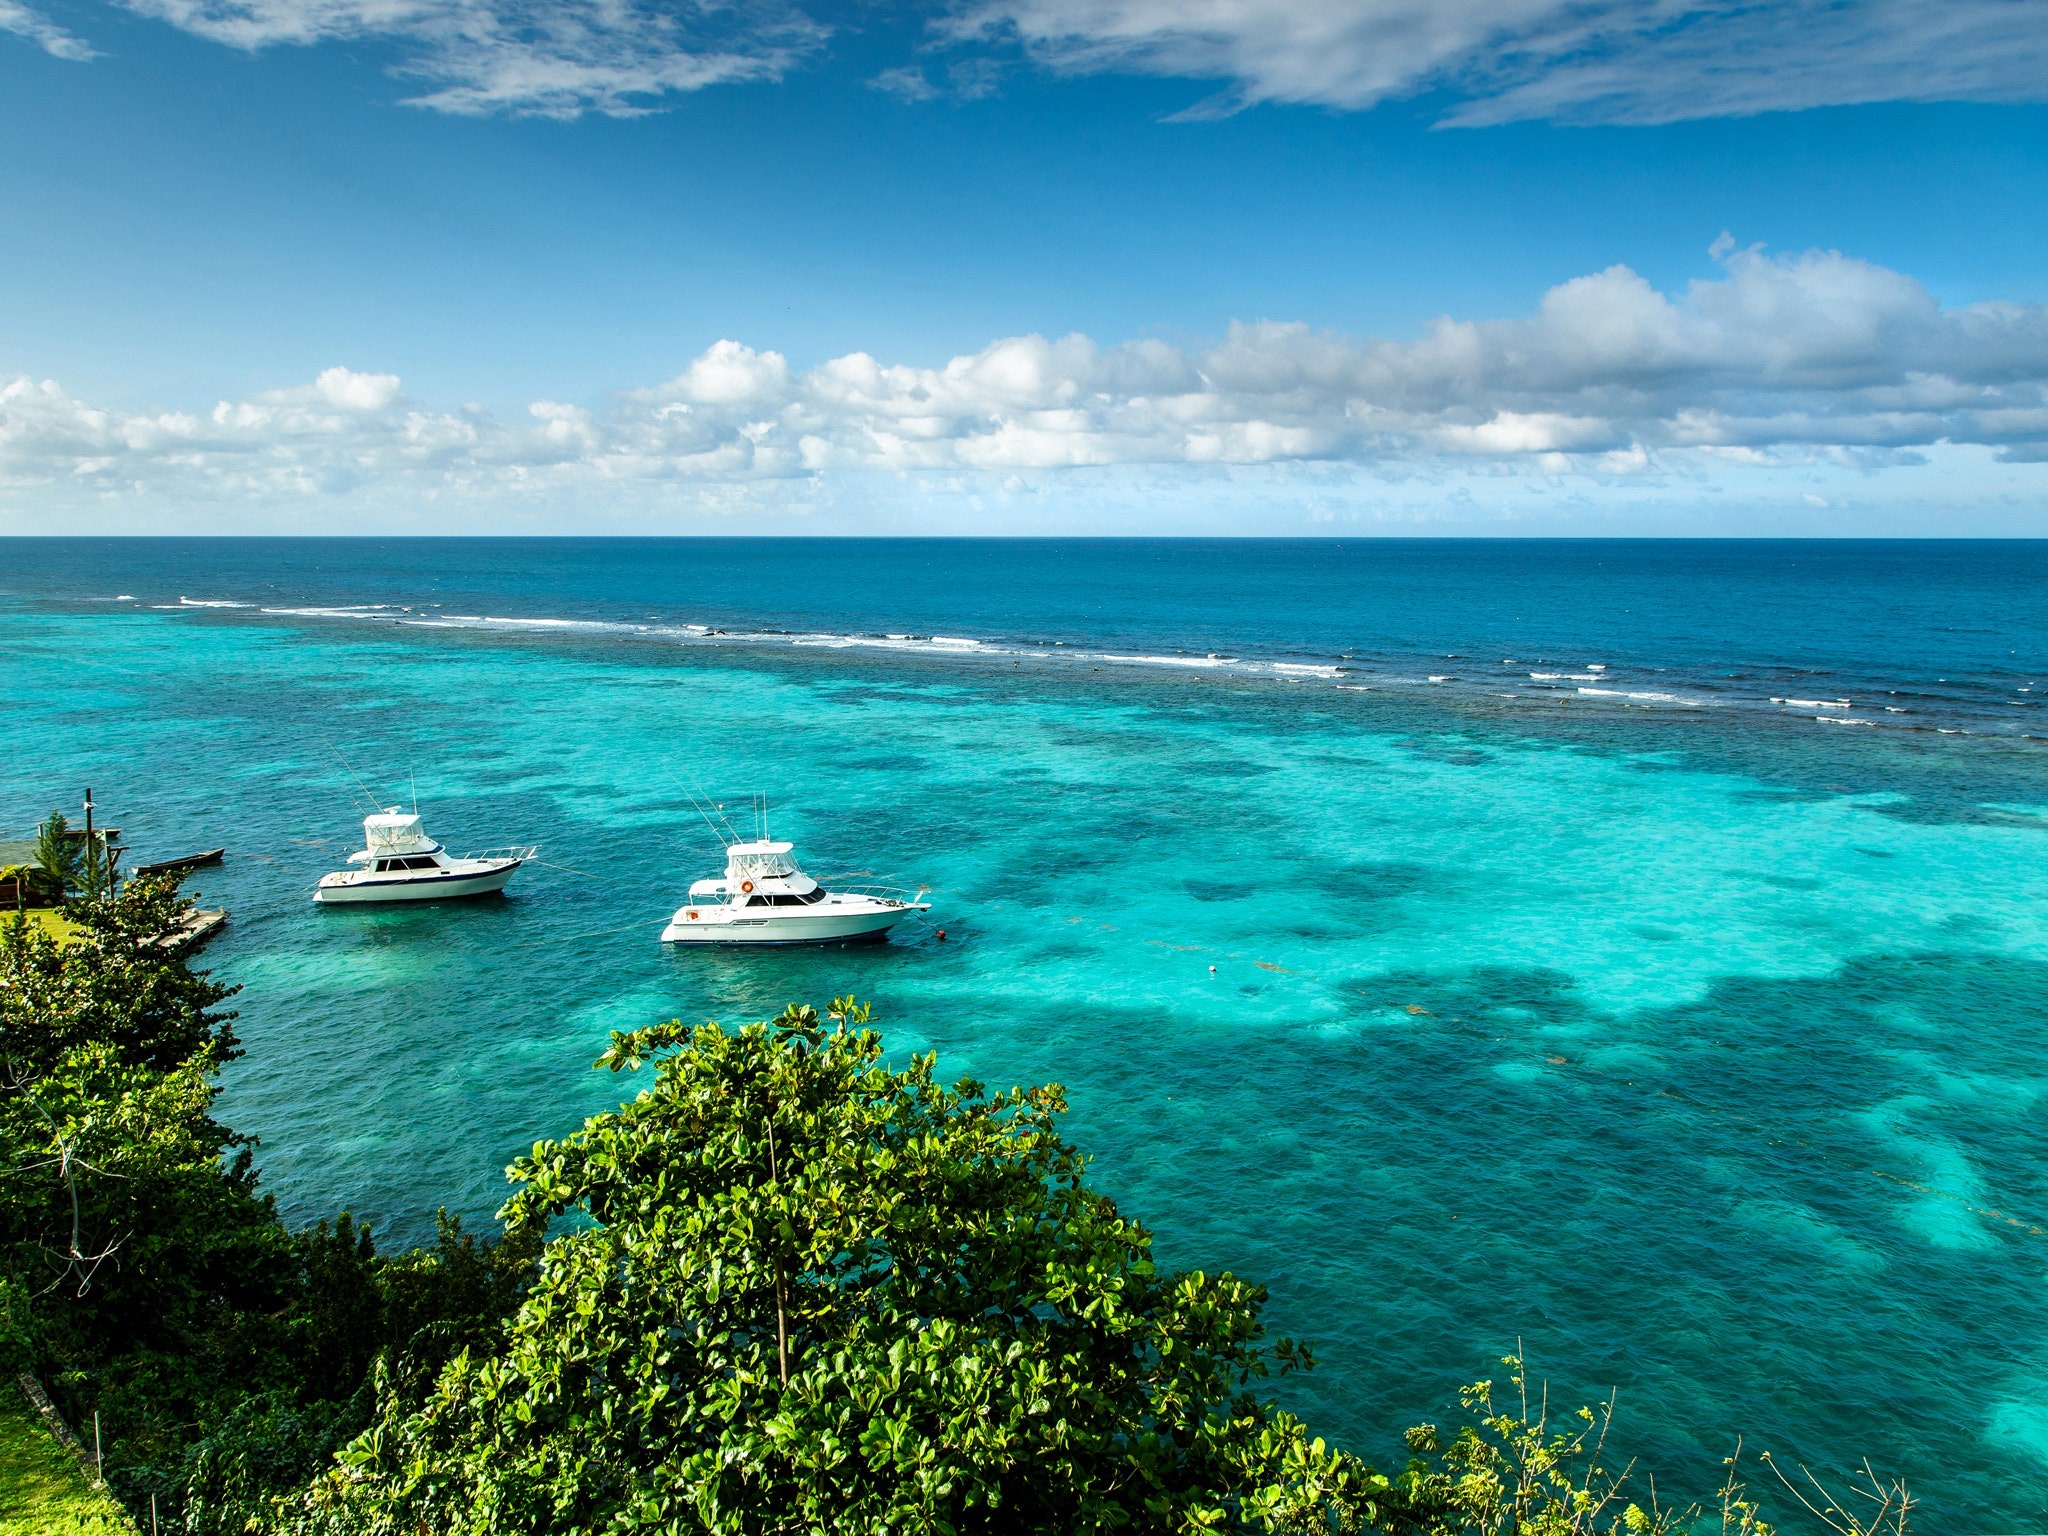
<point>144,1275</point>
<point>806,1292</point>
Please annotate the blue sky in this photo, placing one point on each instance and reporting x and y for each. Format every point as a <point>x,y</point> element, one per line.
<point>303,265</point>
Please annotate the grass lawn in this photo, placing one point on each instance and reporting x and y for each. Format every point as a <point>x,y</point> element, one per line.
<point>43,1490</point>
<point>49,919</point>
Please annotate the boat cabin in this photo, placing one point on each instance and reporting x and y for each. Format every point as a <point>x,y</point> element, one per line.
<point>761,874</point>
<point>395,841</point>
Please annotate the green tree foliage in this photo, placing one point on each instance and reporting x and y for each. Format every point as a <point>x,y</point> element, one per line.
<point>141,1271</point>
<point>800,1291</point>
<point>1510,1473</point>
<point>59,866</point>
<point>352,1318</point>
<point>118,1203</point>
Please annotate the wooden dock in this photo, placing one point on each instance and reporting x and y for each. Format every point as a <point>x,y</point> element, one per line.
<point>195,930</point>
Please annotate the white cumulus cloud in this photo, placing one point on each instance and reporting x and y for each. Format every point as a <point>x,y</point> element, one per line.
<point>356,391</point>
<point>726,374</point>
<point>1775,360</point>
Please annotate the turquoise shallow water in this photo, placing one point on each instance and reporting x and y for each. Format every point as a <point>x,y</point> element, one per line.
<point>1703,1054</point>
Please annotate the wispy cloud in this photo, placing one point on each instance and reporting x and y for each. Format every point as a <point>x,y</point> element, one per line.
<point>963,79</point>
<point>1777,360</point>
<point>1493,61</point>
<point>546,58</point>
<point>1607,61</point>
<point>33,25</point>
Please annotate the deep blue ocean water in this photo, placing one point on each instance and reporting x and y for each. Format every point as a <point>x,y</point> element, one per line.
<point>1637,949</point>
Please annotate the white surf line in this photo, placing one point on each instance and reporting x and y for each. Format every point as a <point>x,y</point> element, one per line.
<point>1058,652</point>
<point>1651,698</point>
<point>947,645</point>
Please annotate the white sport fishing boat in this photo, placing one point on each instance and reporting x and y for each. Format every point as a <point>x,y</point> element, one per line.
<point>399,862</point>
<point>765,899</point>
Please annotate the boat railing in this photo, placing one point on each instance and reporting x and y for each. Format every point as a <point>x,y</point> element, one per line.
<point>902,893</point>
<point>521,854</point>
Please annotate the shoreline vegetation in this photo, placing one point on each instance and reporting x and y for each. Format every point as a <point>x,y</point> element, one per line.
<point>786,1287</point>
<point>61,862</point>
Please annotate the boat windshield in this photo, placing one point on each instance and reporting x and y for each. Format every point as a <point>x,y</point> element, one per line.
<point>788,899</point>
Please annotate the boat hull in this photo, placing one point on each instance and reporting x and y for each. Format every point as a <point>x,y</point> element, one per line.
<point>450,887</point>
<point>835,928</point>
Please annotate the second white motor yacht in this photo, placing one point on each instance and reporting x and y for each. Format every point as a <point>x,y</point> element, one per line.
<point>401,863</point>
<point>764,898</point>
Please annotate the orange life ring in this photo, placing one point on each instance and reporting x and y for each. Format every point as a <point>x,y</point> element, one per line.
<point>747,886</point>
<point>693,917</point>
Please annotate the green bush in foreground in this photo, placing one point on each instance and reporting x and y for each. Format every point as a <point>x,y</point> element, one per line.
<point>815,1294</point>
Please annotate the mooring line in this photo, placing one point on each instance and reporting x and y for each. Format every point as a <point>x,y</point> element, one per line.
<point>565,869</point>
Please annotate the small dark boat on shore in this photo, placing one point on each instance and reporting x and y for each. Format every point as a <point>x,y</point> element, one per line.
<point>189,861</point>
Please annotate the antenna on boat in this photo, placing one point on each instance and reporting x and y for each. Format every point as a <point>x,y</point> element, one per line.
<point>415,783</point>
<point>372,799</point>
<point>707,808</point>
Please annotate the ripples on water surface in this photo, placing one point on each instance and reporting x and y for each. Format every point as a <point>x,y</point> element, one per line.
<point>1694,1041</point>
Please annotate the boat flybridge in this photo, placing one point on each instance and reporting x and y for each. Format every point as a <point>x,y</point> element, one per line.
<point>399,862</point>
<point>763,898</point>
